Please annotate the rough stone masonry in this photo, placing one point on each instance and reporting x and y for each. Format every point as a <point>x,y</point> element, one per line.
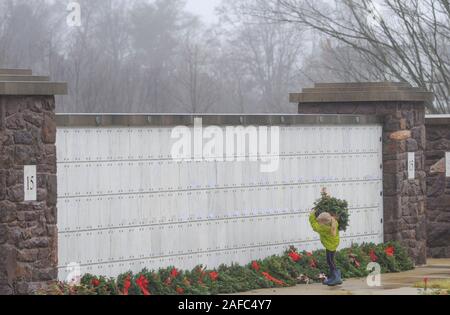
<point>403,110</point>
<point>438,212</point>
<point>28,231</point>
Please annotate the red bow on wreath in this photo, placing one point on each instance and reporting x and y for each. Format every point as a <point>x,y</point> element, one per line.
<point>142,283</point>
<point>390,251</point>
<point>354,261</point>
<point>95,282</point>
<point>255,266</point>
<point>295,256</point>
<point>214,275</point>
<point>274,280</point>
<point>174,273</point>
<point>126,285</point>
<point>202,275</point>
<point>313,263</point>
<point>373,256</point>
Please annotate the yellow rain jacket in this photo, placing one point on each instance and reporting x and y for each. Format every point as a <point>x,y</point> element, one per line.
<point>330,242</point>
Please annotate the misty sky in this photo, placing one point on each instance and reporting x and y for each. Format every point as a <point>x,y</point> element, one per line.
<point>204,8</point>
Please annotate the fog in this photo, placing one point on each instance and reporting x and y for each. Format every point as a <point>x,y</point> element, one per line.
<point>175,56</point>
<point>204,8</point>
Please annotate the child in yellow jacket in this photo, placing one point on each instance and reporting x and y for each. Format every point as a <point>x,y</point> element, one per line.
<point>328,229</point>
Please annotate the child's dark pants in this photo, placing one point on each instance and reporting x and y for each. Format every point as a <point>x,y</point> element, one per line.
<point>331,262</point>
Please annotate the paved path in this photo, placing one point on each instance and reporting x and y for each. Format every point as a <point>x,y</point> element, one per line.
<point>392,284</point>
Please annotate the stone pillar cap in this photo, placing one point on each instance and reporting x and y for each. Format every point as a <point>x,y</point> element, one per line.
<point>362,92</point>
<point>16,71</point>
<point>437,120</point>
<point>23,82</point>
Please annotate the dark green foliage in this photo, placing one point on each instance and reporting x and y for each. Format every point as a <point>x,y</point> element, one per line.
<point>335,207</point>
<point>235,278</point>
<point>106,286</point>
<point>399,262</point>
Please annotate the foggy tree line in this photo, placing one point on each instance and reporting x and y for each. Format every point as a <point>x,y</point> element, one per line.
<point>153,56</point>
<point>389,40</point>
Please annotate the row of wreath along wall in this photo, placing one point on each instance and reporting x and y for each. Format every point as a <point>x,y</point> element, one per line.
<point>28,230</point>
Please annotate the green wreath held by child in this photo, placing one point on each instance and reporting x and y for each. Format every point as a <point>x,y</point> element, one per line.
<point>325,220</point>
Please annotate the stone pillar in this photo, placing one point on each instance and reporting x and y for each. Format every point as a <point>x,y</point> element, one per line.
<point>402,109</point>
<point>438,210</point>
<point>28,232</point>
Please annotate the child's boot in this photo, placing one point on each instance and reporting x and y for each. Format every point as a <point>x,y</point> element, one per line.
<point>336,280</point>
<point>339,277</point>
<point>330,278</point>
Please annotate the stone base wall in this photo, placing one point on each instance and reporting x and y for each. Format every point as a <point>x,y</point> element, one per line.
<point>438,212</point>
<point>404,200</point>
<point>28,232</point>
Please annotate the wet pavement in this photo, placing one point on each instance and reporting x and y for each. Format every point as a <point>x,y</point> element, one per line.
<point>391,284</point>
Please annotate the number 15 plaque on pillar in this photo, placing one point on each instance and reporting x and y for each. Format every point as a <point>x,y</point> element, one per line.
<point>29,183</point>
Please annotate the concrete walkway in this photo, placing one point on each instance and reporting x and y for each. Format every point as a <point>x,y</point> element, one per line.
<point>392,284</point>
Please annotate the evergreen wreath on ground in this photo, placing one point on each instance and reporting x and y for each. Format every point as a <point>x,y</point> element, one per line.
<point>335,207</point>
<point>291,268</point>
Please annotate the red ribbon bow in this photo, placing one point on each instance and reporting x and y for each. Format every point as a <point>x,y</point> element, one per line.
<point>274,280</point>
<point>95,282</point>
<point>354,260</point>
<point>142,283</point>
<point>214,275</point>
<point>295,256</point>
<point>126,285</point>
<point>255,266</point>
<point>373,256</point>
<point>390,251</point>
<point>174,273</point>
